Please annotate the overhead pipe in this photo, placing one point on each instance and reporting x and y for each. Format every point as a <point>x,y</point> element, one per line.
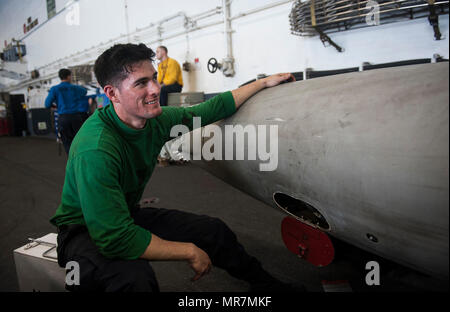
<point>262,8</point>
<point>215,11</point>
<point>187,31</point>
<point>228,61</point>
<point>171,17</point>
<point>127,25</point>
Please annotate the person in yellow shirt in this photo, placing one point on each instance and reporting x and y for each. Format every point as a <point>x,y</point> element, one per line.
<point>169,75</point>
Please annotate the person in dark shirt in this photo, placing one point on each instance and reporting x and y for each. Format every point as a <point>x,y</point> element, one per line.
<point>72,105</point>
<point>100,223</point>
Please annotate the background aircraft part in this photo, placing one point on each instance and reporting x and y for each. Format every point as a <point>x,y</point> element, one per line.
<point>369,150</point>
<point>307,242</point>
<point>340,15</point>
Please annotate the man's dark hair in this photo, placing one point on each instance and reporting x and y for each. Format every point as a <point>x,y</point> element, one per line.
<point>164,48</point>
<point>64,73</point>
<point>114,65</point>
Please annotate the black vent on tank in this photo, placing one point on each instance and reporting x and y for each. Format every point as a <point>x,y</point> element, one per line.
<point>301,210</point>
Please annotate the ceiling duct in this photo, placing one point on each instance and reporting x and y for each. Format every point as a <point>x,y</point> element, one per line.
<point>311,17</point>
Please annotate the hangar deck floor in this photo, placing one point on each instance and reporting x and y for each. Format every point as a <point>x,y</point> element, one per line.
<point>31,180</point>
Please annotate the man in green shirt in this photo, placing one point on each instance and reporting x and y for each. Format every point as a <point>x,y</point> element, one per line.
<point>100,224</point>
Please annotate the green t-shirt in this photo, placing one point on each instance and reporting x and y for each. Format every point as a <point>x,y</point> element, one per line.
<point>109,166</point>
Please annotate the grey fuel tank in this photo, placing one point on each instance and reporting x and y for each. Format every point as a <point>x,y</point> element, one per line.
<point>367,153</point>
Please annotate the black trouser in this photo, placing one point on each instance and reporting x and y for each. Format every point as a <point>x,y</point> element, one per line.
<point>68,126</point>
<point>98,273</point>
<point>165,90</point>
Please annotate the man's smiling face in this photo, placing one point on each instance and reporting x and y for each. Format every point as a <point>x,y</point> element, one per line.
<point>137,97</point>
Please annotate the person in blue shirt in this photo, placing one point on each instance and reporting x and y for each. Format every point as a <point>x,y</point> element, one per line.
<point>72,105</point>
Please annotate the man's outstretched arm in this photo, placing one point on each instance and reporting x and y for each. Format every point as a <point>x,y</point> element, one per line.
<point>243,93</point>
<point>220,106</point>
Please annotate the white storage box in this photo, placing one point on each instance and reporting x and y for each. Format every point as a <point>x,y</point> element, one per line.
<point>37,268</point>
